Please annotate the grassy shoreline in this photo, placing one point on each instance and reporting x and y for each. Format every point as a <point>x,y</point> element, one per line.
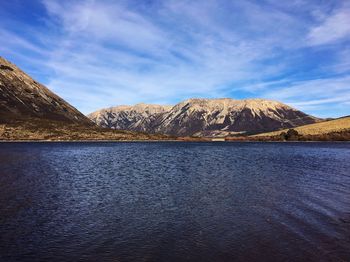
<point>54,131</point>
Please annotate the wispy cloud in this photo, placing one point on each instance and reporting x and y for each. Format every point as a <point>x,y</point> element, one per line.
<point>104,53</point>
<point>334,27</point>
<point>319,95</point>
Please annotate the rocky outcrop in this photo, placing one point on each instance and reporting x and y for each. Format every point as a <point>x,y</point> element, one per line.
<point>140,117</point>
<point>204,117</point>
<point>22,99</point>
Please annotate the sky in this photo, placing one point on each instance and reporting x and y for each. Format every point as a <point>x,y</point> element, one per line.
<point>103,53</point>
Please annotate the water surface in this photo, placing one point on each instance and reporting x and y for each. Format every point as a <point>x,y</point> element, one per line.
<point>173,201</point>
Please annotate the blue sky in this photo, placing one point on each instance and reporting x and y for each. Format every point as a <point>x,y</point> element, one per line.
<point>97,54</point>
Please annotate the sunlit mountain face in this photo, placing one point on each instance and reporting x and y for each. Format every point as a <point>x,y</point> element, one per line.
<point>204,117</point>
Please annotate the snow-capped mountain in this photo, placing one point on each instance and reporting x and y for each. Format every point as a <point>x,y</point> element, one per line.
<point>204,117</point>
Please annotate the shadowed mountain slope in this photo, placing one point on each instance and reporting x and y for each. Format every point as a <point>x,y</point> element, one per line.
<point>22,98</point>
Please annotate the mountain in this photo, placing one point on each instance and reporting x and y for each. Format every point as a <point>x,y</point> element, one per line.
<point>139,117</point>
<point>22,99</point>
<point>30,111</point>
<point>206,117</point>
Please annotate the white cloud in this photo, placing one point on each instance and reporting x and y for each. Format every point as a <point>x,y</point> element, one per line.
<point>101,21</point>
<point>313,94</point>
<point>334,27</point>
<point>107,47</point>
<point>105,53</point>
<point>11,39</point>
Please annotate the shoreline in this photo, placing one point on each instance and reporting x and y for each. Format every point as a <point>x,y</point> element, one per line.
<point>162,141</point>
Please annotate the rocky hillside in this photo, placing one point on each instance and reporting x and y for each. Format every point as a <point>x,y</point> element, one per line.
<point>23,99</point>
<point>206,117</point>
<point>140,117</point>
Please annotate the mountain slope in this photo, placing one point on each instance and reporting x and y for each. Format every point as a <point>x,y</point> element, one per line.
<point>22,99</point>
<point>322,128</point>
<point>30,111</point>
<point>211,117</point>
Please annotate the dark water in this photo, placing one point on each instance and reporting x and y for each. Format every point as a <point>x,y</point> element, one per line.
<point>175,202</point>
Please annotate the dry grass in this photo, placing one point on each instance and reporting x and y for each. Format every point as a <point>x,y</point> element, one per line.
<point>45,130</point>
<point>337,125</point>
<point>38,129</point>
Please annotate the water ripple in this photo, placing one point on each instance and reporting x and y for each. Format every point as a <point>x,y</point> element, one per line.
<point>175,202</point>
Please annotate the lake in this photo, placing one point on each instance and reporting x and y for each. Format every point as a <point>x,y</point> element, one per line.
<point>173,201</point>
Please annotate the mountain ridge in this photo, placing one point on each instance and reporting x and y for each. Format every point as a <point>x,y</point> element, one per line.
<point>205,117</point>
<point>136,118</point>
